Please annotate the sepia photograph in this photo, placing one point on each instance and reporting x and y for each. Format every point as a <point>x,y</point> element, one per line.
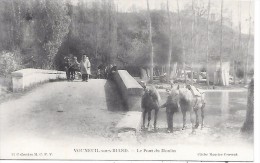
<point>133,80</point>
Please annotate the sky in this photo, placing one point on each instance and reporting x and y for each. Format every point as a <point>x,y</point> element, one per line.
<point>231,8</point>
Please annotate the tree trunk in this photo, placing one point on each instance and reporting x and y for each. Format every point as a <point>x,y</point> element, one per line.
<point>150,42</point>
<point>249,122</point>
<point>182,42</point>
<point>97,30</point>
<point>13,27</point>
<point>170,44</point>
<point>207,54</point>
<point>221,42</point>
<point>233,48</point>
<point>192,40</point>
<point>239,38</point>
<point>248,47</point>
<point>109,34</point>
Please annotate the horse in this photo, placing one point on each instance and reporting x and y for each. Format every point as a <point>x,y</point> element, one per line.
<point>192,104</point>
<point>150,101</point>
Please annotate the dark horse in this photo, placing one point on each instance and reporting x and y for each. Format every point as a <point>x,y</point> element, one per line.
<point>70,69</point>
<point>192,104</point>
<point>150,101</point>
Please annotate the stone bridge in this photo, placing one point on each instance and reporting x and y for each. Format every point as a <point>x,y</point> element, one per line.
<point>46,106</point>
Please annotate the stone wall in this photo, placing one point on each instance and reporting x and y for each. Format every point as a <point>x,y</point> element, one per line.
<point>27,78</point>
<point>130,90</point>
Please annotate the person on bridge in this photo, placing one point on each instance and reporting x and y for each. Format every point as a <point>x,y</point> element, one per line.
<point>112,70</point>
<point>73,68</point>
<point>67,65</point>
<point>85,68</point>
<point>98,73</point>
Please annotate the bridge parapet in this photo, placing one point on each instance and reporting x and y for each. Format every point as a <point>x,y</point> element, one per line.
<point>130,90</point>
<point>26,78</point>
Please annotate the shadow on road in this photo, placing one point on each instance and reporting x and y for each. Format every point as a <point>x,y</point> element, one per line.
<point>113,97</point>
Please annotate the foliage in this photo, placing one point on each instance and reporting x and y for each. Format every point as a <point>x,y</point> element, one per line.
<point>51,26</point>
<point>36,28</point>
<point>45,31</point>
<point>9,62</point>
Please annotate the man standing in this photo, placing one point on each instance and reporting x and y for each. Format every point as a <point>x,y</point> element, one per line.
<point>85,68</point>
<point>172,106</point>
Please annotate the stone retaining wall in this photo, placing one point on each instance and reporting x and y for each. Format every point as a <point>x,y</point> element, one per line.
<point>26,78</point>
<point>130,90</point>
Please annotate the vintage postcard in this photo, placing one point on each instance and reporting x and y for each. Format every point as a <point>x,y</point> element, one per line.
<point>166,80</point>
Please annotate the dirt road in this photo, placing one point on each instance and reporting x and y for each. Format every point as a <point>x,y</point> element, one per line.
<point>90,112</point>
<point>60,117</point>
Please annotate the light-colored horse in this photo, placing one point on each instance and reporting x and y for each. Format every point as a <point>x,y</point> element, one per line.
<point>150,102</point>
<point>192,104</point>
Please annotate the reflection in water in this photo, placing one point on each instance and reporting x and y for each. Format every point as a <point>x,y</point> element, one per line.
<point>220,107</point>
<point>224,105</point>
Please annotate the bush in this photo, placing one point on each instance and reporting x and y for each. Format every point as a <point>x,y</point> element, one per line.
<point>9,62</point>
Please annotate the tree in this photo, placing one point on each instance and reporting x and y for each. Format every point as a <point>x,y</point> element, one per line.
<point>248,45</point>
<point>150,41</point>
<point>193,44</point>
<point>182,42</point>
<point>45,29</point>
<point>207,53</point>
<point>112,21</point>
<point>233,48</point>
<point>170,44</point>
<point>239,40</point>
<point>221,43</point>
<point>248,125</point>
<point>60,27</point>
<point>51,27</point>
<point>96,24</point>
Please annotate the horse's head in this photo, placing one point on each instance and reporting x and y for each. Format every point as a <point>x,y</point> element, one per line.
<point>174,90</point>
<point>152,92</point>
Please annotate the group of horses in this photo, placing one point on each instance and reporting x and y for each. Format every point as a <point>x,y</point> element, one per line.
<point>187,102</point>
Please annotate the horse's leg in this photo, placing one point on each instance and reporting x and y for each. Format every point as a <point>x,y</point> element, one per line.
<point>192,120</point>
<point>184,119</point>
<point>202,115</point>
<point>197,119</point>
<point>71,74</point>
<point>155,118</point>
<point>149,118</point>
<point>67,73</point>
<point>143,114</point>
<point>74,74</point>
<point>170,121</point>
